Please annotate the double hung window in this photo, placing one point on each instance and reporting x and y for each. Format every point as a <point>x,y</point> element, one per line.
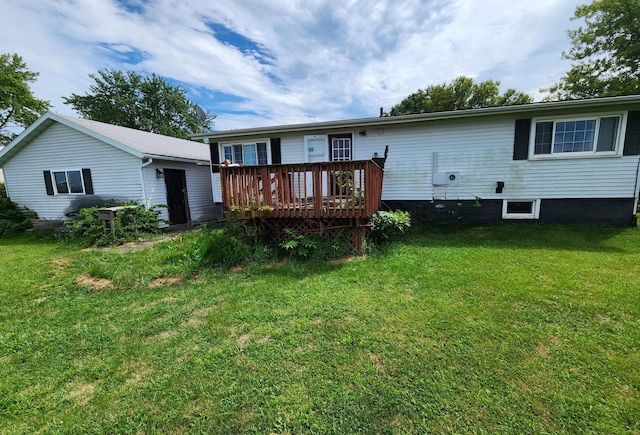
<point>250,154</point>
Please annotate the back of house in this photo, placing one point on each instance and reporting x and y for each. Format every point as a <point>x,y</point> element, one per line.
<point>564,162</point>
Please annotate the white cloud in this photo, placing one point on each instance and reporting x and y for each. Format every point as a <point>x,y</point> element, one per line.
<point>315,60</point>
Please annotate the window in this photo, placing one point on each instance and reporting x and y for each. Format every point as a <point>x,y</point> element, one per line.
<point>578,136</point>
<point>247,154</point>
<point>68,182</point>
<point>521,209</point>
<point>340,148</point>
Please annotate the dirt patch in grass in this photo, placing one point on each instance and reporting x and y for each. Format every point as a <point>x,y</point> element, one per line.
<point>196,318</point>
<point>93,283</point>
<point>378,363</point>
<point>60,262</point>
<point>243,340</point>
<point>154,303</point>
<point>82,394</point>
<point>164,335</point>
<point>164,281</point>
<point>542,350</point>
<point>342,260</point>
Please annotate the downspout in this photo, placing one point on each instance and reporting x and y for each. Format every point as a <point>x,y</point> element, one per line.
<point>637,189</point>
<point>143,184</point>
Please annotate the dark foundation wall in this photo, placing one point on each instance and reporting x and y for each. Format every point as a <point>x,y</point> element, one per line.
<point>605,211</point>
<point>600,211</point>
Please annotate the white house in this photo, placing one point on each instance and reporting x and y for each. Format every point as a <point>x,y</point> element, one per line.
<point>569,161</point>
<point>61,163</point>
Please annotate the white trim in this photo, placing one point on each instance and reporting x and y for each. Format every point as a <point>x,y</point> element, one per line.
<point>66,172</point>
<point>618,147</point>
<point>255,142</point>
<point>521,110</point>
<point>535,209</point>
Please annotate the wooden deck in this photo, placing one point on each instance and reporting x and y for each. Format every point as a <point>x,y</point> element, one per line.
<point>351,189</point>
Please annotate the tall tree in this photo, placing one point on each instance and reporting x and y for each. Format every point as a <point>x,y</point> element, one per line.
<point>18,106</point>
<point>605,52</point>
<point>145,103</point>
<point>461,93</point>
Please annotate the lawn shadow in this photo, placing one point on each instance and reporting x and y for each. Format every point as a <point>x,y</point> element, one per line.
<point>588,238</point>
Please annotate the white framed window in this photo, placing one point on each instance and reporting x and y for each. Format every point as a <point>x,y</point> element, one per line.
<point>521,209</point>
<point>341,147</point>
<point>250,154</point>
<point>585,136</point>
<point>68,182</point>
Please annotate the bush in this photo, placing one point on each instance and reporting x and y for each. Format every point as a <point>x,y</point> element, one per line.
<point>3,191</point>
<point>13,218</point>
<point>388,225</point>
<point>131,223</point>
<point>237,243</point>
<point>316,246</point>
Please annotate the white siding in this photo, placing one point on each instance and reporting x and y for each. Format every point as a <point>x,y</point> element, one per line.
<point>201,204</point>
<point>115,173</point>
<point>482,153</point>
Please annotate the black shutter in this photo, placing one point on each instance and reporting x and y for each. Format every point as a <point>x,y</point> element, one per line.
<point>47,182</point>
<point>632,135</point>
<point>88,182</point>
<point>276,154</point>
<point>215,157</point>
<point>521,140</point>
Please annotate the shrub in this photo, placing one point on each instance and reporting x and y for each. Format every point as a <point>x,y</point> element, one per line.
<point>317,246</point>
<point>13,218</point>
<point>388,225</point>
<point>130,223</point>
<point>237,243</point>
<point>3,191</point>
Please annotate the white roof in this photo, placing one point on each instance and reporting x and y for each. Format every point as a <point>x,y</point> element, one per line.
<point>139,143</point>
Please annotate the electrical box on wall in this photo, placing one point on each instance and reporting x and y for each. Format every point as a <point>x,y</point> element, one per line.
<point>450,178</point>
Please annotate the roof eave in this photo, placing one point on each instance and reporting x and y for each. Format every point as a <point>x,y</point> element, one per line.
<point>421,117</point>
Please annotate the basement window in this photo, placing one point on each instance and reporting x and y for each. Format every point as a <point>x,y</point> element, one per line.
<point>521,209</point>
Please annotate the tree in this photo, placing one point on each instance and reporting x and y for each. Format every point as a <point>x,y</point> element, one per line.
<point>18,106</point>
<point>131,100</point>
<point>605,53</point>
<point>461,93</point>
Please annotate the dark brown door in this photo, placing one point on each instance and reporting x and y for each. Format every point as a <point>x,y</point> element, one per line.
<point>176,182</point>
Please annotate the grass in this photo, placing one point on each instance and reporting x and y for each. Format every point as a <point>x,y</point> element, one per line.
<point>495,329</point>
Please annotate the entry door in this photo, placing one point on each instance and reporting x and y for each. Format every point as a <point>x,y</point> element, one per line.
<point>176,182</point>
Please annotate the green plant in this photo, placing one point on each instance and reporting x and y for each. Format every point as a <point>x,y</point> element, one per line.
<point>130,223</point>
<point>316,246</point>
<point>13,218</point>
<point>387,225</point>
<point>298,245</point>
<point>3,190</point>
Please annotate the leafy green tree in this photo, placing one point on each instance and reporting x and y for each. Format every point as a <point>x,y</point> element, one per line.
<point>18,106</point>
<point>605,52</point>
<point>461,93</point>
<point>148,103</point>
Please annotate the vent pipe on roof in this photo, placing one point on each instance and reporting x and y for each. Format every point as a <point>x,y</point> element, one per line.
<point>381,112</point>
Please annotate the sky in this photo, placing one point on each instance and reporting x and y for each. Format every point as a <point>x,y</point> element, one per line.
<point>257,63</point>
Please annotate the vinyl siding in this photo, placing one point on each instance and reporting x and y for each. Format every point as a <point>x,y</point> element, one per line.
<point>482,153</point>
<point>115,173</point>
<point>201,204</point>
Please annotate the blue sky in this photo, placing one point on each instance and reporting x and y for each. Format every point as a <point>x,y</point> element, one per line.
<point>257,63</point>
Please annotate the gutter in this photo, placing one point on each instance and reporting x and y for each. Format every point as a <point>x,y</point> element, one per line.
<point>424,117</point>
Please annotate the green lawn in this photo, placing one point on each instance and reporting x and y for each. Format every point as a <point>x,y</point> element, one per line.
<point>497,329</point>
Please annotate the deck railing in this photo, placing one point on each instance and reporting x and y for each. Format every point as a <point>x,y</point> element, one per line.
<point>351,189</point>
